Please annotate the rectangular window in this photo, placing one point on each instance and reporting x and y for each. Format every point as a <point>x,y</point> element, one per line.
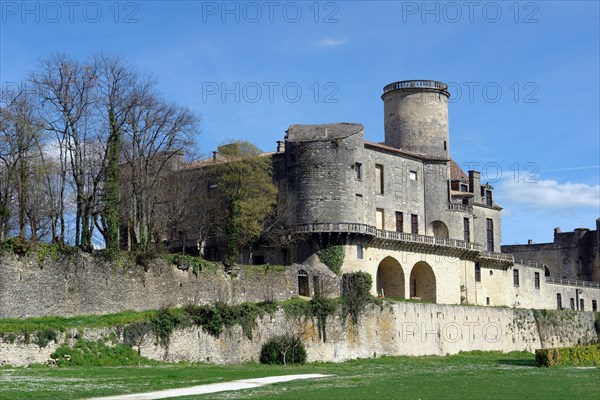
<point>536,277</point>
<point>414,224</point>
<point>572,303</point>
<point>358,170</point>
<point>581,305</point>
<point>359,252</point>
<point>594,305</point>
<point>399,221</point>
<point>466,230</point>
<point>378,179</point>
<point>558,301</point>
<point>464,187</point>
<point>488,198</point>
<point>515,277</point>
<point>490,234</point>
<point>379,219</point>
<point>487,301</point>
<point>477,273</point>
<point>412,175</point>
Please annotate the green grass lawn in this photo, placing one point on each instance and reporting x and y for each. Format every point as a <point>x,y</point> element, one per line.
<point>464,376</point>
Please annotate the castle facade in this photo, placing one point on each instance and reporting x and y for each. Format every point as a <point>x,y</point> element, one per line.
<point>407,214</point>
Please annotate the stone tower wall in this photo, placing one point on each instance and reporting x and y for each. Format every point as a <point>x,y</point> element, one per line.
<point>416,117</point>
<point>322,177</point>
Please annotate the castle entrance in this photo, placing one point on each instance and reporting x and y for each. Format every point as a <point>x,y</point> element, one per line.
<point>303,288</point>
<point>422,282</point>
<point>390,278</point>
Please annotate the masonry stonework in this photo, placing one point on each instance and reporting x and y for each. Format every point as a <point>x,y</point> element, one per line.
<point>391,329</point>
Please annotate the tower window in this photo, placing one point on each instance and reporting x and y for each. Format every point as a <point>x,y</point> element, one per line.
<point>536,277</point>
<point>378,179</point>
<point>516,277</point>
<point>477,273</point>
<point>412,175</point>
<point>414,224</point>
<point>558,301</point>
<point>358,170</point>
<point>359,252</point>
<point>488,198</point>
<point>466,230</point>
<point>490,234</point>
<point>379,218</point>
<point>399,221</point>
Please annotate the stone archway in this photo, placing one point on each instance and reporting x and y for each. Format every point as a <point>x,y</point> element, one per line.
<point>390,278</point>
<point>438,229</point>
<point>422,282</point>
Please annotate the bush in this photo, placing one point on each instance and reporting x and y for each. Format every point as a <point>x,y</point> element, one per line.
<point>356,293</point>
<point>16,245</point>
<point>333,257</point>
<point>45,336</point>
<point>571,356</point>
<point>283,350</point>
<point>214,319</point>
<point>163,325</point>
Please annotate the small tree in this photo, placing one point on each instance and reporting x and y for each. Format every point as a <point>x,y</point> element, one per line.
<point>137,334</point>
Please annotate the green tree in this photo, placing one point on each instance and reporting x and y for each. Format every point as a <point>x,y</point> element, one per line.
<point>246,190</point>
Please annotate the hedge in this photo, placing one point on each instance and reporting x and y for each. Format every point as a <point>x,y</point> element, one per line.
<point>571,356</point>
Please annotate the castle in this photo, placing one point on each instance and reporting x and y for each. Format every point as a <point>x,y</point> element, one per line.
<point>407,214</point>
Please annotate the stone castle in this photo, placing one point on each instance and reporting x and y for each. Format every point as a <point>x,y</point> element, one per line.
<point>407,214</point>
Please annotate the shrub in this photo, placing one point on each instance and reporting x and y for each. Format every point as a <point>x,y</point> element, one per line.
<point>283,350</point>
<point>16,245</point>
<point>164,323</point>
<point>333,257</point>
<point>214,318</point>
<point>44,337</point>
<point>356,293</point>
<point>572,356</point>
<point>321,308</point>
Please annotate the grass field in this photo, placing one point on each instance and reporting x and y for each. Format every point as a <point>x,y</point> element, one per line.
<point>464,376</point>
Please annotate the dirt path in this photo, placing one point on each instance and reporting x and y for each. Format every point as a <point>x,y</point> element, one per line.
<point>211,388</point>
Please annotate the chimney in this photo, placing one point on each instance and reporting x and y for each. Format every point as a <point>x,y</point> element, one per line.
<point>474,181</point>
<point>529,241</point>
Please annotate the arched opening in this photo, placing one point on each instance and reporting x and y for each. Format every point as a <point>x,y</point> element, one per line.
<point>303,287</point>
<point>546,271</point>
<point>390,278</point>
<point>438,229</point>
<point>422,282</point>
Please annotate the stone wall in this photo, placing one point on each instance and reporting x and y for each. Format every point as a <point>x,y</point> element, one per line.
<point>390,329</point>
<point>83,284</point>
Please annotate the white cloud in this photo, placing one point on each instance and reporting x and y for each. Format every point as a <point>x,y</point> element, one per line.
<point>549,194</point>
<point>329,42</point>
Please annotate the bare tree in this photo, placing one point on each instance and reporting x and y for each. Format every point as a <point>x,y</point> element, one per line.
<point>156,136</point>
<point>66,89</point>
<point>20,133</point>
<point>138,334</point>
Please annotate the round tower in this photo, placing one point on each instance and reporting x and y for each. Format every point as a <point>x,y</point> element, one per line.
<point>416,117</point>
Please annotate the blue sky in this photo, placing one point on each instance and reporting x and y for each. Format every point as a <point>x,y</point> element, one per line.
<point>524,78</point>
